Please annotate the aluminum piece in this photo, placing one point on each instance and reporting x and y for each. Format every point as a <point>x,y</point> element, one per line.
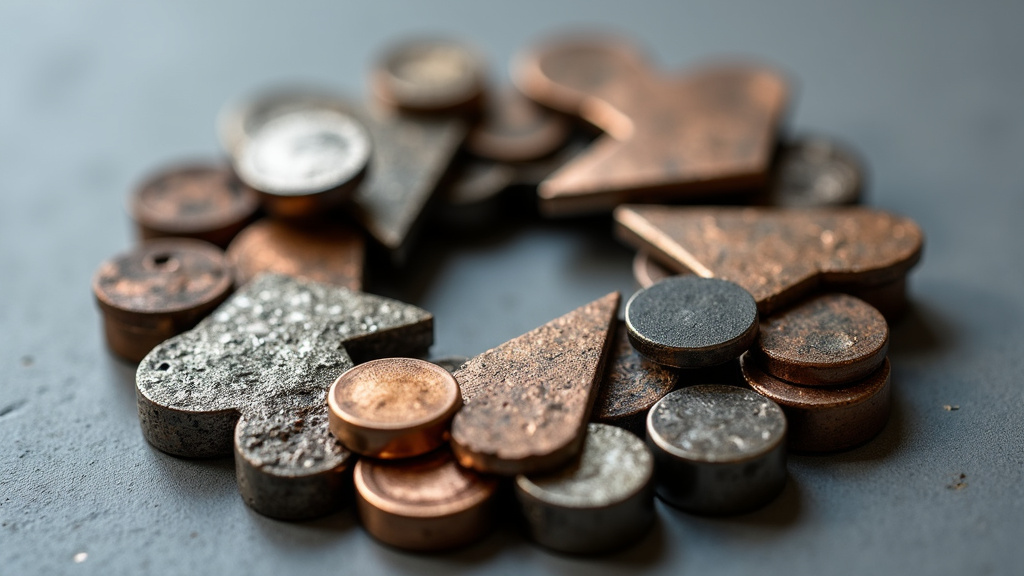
<point>159,289</point>
<point>393,407</point>
<point>527,402</point>
<point>815,171</point>
<point>602,502</point>
<point>630,386</point>
<point>430,75</point>
<point>829,339</point>
<point>827,419</point>
<point>200,200</point>
<point>331,254</point>
<point>429,503</point>
<point>667,138</point>
<point>779,255</point>
<point>718,449</point>
<point>692,322</point>
<point>288,465</point>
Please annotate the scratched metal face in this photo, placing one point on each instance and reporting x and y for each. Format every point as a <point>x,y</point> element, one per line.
<point>528,400</point>
<point>710,131</point>
<point>778,255</point>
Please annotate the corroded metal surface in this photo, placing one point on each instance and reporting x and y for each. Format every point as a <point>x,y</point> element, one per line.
<point>430,75</point>
<point>514,129</point>
<point>647,271</point>
<point>829,339</point>
<point>601,502</point>
<point>332,254</point>
<point>709,131</point>
<point>528,400</point>
<point>826,419</point>
<point>205,201</point>
<point>159,289</point>
<point>719,449</point>
<point>630,386</point>
<point>778,255</point>
<point>814,172</point>
<point>393,407</point>
<point>450,363</point>
<point>426,503</point>
<point>692,322</point>
<point>288,465</point>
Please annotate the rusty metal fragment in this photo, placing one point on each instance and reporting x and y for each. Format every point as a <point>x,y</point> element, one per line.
<point>528,401</point>
<point>667,138</point>
<point>428,503</point>
<point>205,201</point>
<point>630,386</point>
<point>159,289</point>
<point>275,346</point>
<point>826,419</point>
<point>430,76</point>
<point>779,255</point>
<point>327,253</point>
<point>829,339</point>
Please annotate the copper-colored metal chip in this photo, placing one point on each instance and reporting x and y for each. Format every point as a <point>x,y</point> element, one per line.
<point>710,131</point>
<point>528,401</point>
<point>647,271</point>
<point>826,419</point>
<point>829,339</point>
<point>393,407</point>
<point>159,289</point>
<point>205,201</point>
<point>427,503</point>
<point>332,254</point>
<point>778,255</point>
<point>430,75</point>
<point>514,129</point>
<point>630,386</point>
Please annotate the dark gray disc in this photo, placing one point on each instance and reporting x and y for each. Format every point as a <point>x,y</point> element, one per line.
<point>692,322</point>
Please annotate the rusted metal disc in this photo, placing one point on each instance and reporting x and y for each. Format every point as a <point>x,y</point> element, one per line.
<point>332,254</point>
<point>815,171</point>
<point>514,129</point>
<point>158,290</point>
<point>647,271</point>
<point>205,201</point>
<point>393,407</point>
<point>430,75</point>
<point>692,322</point>
<point>829,339</point>
<point>826,419</point>
<point>427,503</point>
<point>305,162</point>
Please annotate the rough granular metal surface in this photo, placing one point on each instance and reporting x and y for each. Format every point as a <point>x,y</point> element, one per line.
<point>778,255</point>
<point>631,385</point>
<point>528,400</point>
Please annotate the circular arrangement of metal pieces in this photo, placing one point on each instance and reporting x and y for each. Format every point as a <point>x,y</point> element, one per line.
<point>647,271</point>
<point>827,340</point>
<point>332,254</point>
<point>305,162</point>
<point>692,322</point>
<point>431,76</point>
<point>826,419</point>
<point>204,201</point>
<point>600,503</point>
<point>157,290</point>
<point>393,407</point>
<point>428,503</point>
<point>815,171</point>
<point>514,129</point>
<point>719,449</point>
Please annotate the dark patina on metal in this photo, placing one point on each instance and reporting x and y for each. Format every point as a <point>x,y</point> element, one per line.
<point>692,322</point>
<point>719,449</point>
<point>201,200</point>
<point>630,386</point>
<point>829,339</point>
<point>779,255</point>
<point>159,289</point>
<point>328,253</point>
<point>277,344</point>
<point>814,171</point>
<point>528,401</point>
<point>710,131</point>
<point>826,419</point>
<point>599,503</point>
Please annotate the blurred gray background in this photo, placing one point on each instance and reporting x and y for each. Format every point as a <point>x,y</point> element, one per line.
<point>95,94</point>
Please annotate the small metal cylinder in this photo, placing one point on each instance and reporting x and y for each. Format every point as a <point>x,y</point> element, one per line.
<point>600,503</point>
<point>718,449</point>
